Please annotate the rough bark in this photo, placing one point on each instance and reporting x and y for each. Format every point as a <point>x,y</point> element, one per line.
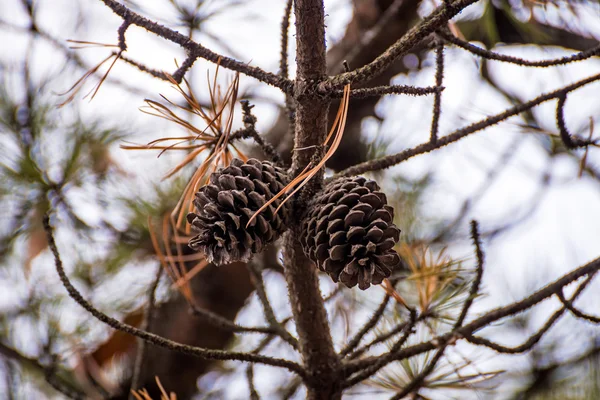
<point>312,325</point>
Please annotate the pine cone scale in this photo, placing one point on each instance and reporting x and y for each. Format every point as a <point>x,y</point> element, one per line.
<point>225,206</point>
<point>348,232</point>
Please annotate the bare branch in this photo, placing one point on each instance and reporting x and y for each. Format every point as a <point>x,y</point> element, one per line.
<point>155,73</point>
<point>379,339</point>
<point>467,331</point>
<point>285,26</point>
<point>256,277</point>
<point>157,340</point>
<point>196,50</point>
<point>370,324</point>
<point>437,99</point>
<point>569,140</point>
<point>250,131</point>
<point>290,106</point>
<point>477,282</point>
<point>146,326</point>
<point>250,377</point>
<point>535,338</point>
<point>366,38</point>
<point>578,313</point>
<point>490,55</point>
<point>426,27</point>
<point>394,159</point>
<point>378,91</point>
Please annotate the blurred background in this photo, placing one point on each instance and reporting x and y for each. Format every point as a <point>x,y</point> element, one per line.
<point>538,203</point>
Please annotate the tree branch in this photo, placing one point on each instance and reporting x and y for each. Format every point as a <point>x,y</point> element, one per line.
<point>196,50</point>
<point>157,340</point>
<point>427,26</point>
<point>146,326</point>
<point>394,159</point>
<point>490,55</point>
<point>533,339</point>
<point>378,91</point>
<point>256,277</point>
<point>478,276</point>
<point>312,325</point>
<point>370,324</point>
<point>467,330</point>
<point>437,99</point>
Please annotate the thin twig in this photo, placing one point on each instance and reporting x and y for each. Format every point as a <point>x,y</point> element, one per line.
<point>578,313</point>
<point>285,26</point>
<point>569,140</point>
<point>196,50</point>
<point>533,339</point>
<point>379,339</point>
<point>370,324</point>
<point>283,65</point>
<point>367,38</point>
<point>250,377</point>
<point>394,159</point>
<point>437,97</point>
<point>154,72</point>
<point>378,91</point>
<point>490,55</point>
<point>209,354</point>
<point>250,132</point>
<point>185,66</point>
<point>380,361</point>
<point>478,276</point>
<point>256,277</point>
<point>485,320</point>
<point>427,26</point>
<point>146,326</point>
<point>225,324</point>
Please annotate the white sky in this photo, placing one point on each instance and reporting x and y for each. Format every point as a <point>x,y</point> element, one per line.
<point>562,233</point>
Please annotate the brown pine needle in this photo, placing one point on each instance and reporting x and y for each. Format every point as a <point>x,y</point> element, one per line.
<point>389,289</point>
<point>305,176</point>
<point>212,140</point>
<point>190,274</point>
<point>88,45</point>
<point>117,57</point>
<point>79,83</point>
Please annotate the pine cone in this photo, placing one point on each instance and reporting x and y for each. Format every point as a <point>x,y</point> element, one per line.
<point>227,203</point>
<point>348,232</point>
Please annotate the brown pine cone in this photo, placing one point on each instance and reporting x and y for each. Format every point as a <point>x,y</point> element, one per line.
<point>348,232</point>
<point>227,203</point>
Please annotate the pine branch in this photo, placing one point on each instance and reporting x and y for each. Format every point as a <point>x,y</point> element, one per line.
<point>418,380</point>
<point>394,159</point>
<point>370,324</point>
<point>140,357</point>
<point>378,91</point>
<point>490,55</point>
<point>316,345</point>
<point>467,331</point>
<point>256,277</point>
<point>157,340</point>
<point>437,99</point>
<point>196,50</point>
<point>427,26</point>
